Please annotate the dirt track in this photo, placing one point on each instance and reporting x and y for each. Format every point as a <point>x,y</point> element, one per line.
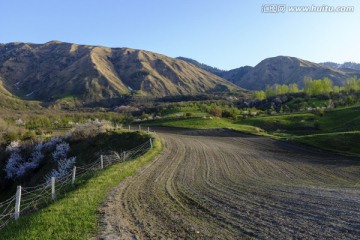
<point>223,185</point>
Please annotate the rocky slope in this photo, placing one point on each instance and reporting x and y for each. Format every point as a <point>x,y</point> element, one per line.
<point>351,65</point>
<point>57,70</point>
<point>284,70</point>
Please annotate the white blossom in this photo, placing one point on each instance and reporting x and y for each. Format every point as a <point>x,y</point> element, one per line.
<point>19,122</point>
<point>61,151</point>
<point>18,166</point>
<point>52,143</point>
<point>62,170</point>
<point>39,146</point>
<point>14,146</point>
<point>37,156</point>
<point>13,164</point>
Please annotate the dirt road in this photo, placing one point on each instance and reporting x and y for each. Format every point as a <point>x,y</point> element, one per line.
<point>223,185</point>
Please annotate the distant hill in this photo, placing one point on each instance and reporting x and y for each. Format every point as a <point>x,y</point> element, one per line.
<point>351,65</point>
<point>284,70</point>
<point>208,68</point>
<point>234,75</point>
<point>230,75</point>
<point>57,70</point>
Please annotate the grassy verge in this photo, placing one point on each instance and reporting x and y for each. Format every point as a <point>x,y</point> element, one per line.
<point>207,123</point>
<point>341,142</point>
<point>294,123</point>
<point>74,216</point>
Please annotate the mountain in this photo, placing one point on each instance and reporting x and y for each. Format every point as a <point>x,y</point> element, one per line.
<point>57,70</point>
<point>283,70</point>
<point>351,65</point>
<point>203,66</point>
<point>286,70</point>
<point>230,75</point>
<point>238,73</point>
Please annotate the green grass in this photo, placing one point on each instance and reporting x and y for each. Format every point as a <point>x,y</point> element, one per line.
<point>85,150</point>
<point>336,130</point>
<point>342,142</point>
<point>289,122</point>
<point>339,120</point>
<point>181,111</point>
<point>74,216</point>
<point>206,123</point>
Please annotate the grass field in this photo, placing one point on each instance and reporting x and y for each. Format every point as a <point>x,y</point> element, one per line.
<point>336,130</point>
<point>343,142</point>
<point>206,123</point>
<point>74,216</point>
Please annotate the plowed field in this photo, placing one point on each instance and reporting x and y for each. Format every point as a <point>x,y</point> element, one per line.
<point>223,185</point>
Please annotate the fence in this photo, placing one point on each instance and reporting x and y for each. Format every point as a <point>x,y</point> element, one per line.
<point>30,199</point>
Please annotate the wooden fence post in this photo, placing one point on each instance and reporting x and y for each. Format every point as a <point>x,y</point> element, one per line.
<point>102,161</point>
<point>53,188</point>
<point>129,127</point>
<point>17,202</point>
<point>139,127</point>
<point>124,152</point>
<point>73,175</point>
<point>151,143</point>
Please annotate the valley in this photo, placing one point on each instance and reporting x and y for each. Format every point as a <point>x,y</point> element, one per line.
<point>141,120</point>
<point>228,162</point>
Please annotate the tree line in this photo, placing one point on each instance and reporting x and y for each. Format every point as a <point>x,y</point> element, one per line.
<point>311,88</point>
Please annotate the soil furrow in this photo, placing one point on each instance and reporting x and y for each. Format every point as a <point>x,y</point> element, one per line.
<point>217,184</point>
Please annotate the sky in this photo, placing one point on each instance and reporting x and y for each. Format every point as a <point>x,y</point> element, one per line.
<point>222,33</point>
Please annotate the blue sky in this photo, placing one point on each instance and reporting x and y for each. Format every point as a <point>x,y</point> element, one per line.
<point>225,34</point>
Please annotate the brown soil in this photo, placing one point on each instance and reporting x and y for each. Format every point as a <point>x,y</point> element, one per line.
<point>223,185</point>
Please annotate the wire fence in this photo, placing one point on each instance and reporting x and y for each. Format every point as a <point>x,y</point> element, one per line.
<point>31,199</point>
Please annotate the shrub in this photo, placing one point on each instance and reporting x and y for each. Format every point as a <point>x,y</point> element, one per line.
<point>28,135</point>
<point>88,130</point>
<point>64,165</point>
<point>61,151</point>
<point>227,114</point>
<point>17,165</point>
<point>216,111</point>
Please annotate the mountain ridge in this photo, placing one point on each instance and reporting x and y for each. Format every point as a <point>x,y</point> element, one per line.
<point>351,65</point>
<point>56,70</point>
<point>284,70</point>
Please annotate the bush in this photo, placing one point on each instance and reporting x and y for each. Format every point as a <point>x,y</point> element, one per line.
<point>39,131</point>
<point>216,111</point>
<point>88,130</point>
<point>29,135</point>
<point>24,157</point>
<point>227,114</point>
<point>10,136</point>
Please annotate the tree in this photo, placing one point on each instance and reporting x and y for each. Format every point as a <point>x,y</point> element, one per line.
<point>316,87</point>
<point>216,111</point>
<point>293,88</point>
<point>352,83</point>
<point>326,85</point>
<point>260,95</point>
<point>269,91</point>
